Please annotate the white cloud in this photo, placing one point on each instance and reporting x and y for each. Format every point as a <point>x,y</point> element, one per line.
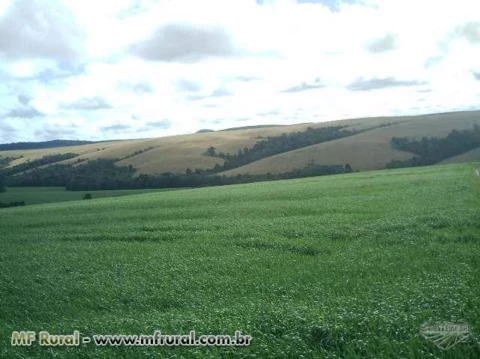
<point>35,29</point>
<point>111,70</point>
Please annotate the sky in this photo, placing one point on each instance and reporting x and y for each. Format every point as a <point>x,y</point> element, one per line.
<point>97,70</point>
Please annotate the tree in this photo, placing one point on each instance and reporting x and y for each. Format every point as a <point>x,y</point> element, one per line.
<point>87,196</point>
<point>2,183</point>
<point>211,151</point>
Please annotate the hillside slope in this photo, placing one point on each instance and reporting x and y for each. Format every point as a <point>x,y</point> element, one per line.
<point>172,153</point>
<point>470,156</point>
<point>367,150</point>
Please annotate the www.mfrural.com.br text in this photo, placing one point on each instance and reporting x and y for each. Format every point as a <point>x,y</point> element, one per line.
<point>44,338</point>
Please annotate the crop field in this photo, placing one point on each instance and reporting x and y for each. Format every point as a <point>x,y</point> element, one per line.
<point>346,266</point>
<point>37,195</point>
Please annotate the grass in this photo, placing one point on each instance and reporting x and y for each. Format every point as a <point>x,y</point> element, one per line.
<point>37,195</point>
<point>346,266</point>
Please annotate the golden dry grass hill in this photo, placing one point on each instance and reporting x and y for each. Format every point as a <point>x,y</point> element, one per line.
<point>367,150</point>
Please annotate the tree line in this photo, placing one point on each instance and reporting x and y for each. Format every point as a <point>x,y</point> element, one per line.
<point>2,183</point>
<point>431,150</point>
<point>5,161</point>
<point>277,144</point>
<point>94,174</point>
<point>103,174</point>
<point>200,178</point>
<point>12,204</point>
<point>28,165</point>
<point>39,145</point>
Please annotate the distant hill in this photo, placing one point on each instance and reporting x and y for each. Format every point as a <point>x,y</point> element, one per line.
<point>368,148</point>
<point>39,145</point>
<point>371,149</point>
<point>249,127</point>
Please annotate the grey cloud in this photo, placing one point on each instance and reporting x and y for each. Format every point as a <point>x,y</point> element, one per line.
<point>48,75</point>
<point>184,42</point>
<point>305,86</point>
<point>470,31</point>
<point>89,104</point>
<point>162,124</point>
<point>221,92</point>
<point>38,29</point>
<point>212,122</point>
<point>24,99</point>
<point>142,88</point>
<point>269,113</point>
<point>63,71</point>
<point>116,128</point>
<point>382,83</point>
<point>152,125</point>
<point>55,133</point>
<point>24,112</point>
<point>188,86</point>
<point>5,127</point>
<point>7,132</point>
<point>139,88</point>
<point>476,75</point>
<point>386,43</point>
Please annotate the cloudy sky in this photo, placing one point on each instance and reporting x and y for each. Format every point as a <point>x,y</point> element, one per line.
<point>96,70</point>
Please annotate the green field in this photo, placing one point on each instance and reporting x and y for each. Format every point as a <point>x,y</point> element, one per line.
<point>346,266</point>
<point>36,195</point>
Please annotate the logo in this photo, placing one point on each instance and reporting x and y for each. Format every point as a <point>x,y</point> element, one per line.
<point>445,335</point>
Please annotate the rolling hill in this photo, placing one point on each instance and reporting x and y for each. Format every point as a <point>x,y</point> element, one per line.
<point>368,149</point>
